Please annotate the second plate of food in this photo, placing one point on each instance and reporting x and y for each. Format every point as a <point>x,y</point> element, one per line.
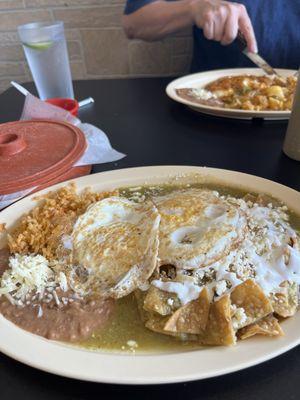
<point>241,93</point>
<point>151,275</point>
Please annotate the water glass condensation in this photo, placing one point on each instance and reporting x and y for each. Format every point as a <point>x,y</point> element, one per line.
<point>47,55</point>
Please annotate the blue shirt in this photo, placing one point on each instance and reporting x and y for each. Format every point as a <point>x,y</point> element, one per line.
<point>277,28</point>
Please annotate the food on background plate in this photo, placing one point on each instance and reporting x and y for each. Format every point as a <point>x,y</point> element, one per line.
<point>245,92</point>
<point>163,267</point>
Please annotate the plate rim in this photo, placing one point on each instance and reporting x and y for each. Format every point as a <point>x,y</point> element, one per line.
<point>229,112</point>
<point>115,362</point>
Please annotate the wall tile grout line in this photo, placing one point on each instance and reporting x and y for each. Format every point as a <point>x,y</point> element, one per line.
<point>83,54</point>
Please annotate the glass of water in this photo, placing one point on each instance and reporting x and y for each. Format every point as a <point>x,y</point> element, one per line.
<point>47,55</point>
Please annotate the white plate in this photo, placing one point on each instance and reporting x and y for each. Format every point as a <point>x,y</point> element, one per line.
<point>98,366</point>
<point>203,78</point>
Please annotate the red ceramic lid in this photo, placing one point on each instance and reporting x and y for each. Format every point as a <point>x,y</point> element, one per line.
<point>72,173</point>
<point>33,153</point>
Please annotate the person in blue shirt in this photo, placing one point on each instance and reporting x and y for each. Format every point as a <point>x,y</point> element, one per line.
<point>273,24</point>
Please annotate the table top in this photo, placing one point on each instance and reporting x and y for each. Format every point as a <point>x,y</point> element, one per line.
<point>143,123</point>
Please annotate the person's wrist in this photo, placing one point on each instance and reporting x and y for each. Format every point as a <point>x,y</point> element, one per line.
<point>192,7</point>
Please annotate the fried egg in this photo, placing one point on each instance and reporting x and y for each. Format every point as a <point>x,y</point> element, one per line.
<point>116,241</point>
<point>197,228</point>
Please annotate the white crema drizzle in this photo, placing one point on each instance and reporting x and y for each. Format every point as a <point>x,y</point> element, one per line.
<point>265,255</point>
<point>185,291</point>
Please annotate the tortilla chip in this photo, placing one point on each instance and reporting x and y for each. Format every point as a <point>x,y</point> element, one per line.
<point>157,323</point>
<point>285,304</point>
<point>265,200</point>
<point>219,330</point>
<point>192,317</point>
<point>267,326</point>
<point>158,301</point>
<point>250,197</point>
<point>249,296</point>
<point>151,321</point>
<point>154,321</point>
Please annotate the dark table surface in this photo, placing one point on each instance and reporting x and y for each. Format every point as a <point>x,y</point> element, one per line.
<point>152,130</point>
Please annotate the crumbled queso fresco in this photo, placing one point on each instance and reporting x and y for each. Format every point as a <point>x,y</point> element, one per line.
<point>170,301</point>
<point>239,317</point>
<point>132,343</point>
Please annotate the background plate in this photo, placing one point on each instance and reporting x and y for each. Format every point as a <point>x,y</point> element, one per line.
<point>203,78</point>
<point>99,366</point>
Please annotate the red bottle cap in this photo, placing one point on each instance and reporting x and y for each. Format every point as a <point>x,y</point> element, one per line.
<point>38,153</point>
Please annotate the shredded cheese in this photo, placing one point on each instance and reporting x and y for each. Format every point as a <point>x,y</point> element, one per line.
<point>32,278</point>
<point>24,275</point>
<point>63,283</point>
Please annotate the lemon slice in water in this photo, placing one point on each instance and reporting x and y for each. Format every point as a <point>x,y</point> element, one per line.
<point>39,45</point>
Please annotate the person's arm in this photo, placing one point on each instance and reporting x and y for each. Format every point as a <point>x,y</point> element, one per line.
<point>220,20</point>
<point>158,19</point>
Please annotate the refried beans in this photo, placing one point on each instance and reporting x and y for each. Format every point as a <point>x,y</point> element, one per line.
<point>69,322</point>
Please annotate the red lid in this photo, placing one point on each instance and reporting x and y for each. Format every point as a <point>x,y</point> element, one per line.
<point>74,172</point>
<point>33,153</point>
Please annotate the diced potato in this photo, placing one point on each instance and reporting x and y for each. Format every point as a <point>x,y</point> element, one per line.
<point>223,93</point>
<point>275,104</point>
<point>275,91</point>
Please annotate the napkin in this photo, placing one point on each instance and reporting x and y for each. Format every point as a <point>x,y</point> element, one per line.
<point>98,151</point>
<point>7,199</point>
